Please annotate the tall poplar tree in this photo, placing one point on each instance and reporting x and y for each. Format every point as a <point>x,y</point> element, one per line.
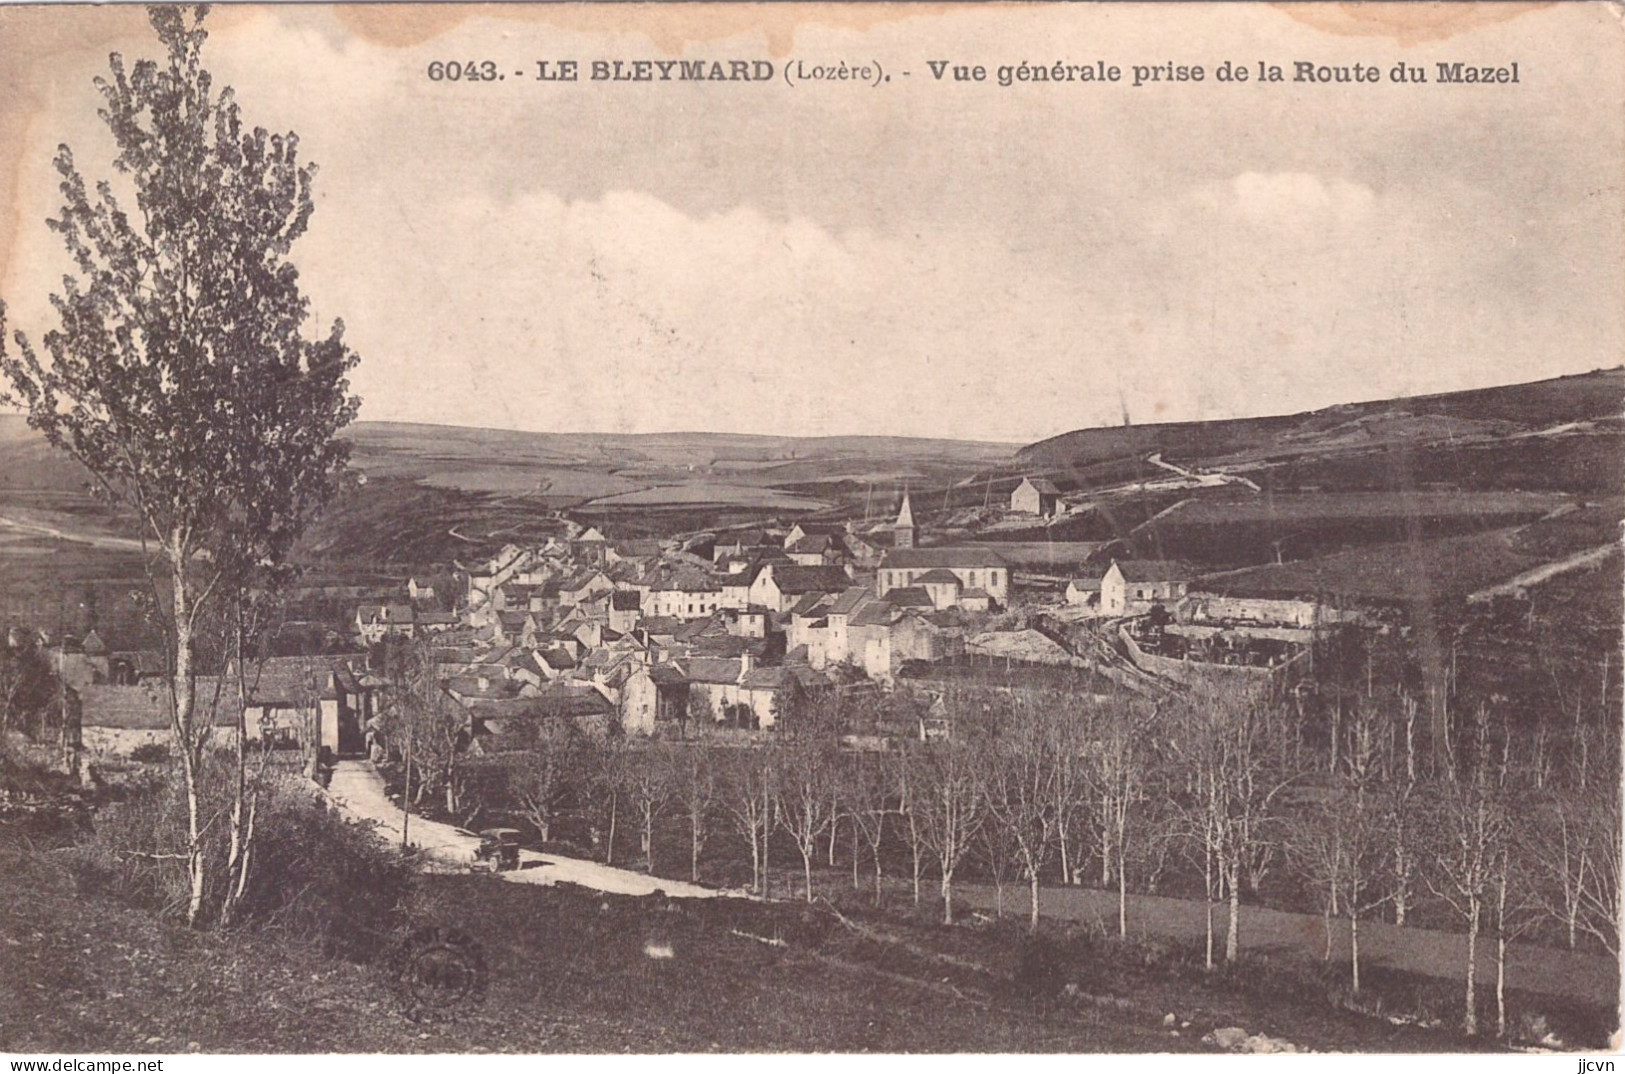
<point>179,373</point>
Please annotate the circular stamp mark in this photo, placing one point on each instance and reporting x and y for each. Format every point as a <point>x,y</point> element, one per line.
<point>438,972</point>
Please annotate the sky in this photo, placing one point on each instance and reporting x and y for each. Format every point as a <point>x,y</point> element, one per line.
<point>923,257</point>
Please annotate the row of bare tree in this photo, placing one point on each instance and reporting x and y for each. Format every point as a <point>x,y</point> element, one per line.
<point>1212,791</point>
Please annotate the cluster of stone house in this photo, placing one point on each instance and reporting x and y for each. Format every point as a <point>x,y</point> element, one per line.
<point>283,702</point>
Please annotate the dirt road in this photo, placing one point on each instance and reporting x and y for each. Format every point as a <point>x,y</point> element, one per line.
<point>358,790</point>
<point>1547,970</point>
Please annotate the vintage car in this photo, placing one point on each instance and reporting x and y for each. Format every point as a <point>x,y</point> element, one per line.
<point>498,850</point>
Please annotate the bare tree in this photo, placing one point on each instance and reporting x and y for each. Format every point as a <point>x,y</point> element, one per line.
<point>647,782</point>
<point>747,798</point>
<point>1470,832</point>
<point>697,790</point>
<point>867,789</point>
<point>1228,740</point>
<point>947,802</point>
<point>1024,780</point>
<point>541,779</point>
<point>1116,771</point>
<point>804,798</point>
<point>910,784</point>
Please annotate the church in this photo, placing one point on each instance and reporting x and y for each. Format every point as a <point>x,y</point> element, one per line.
<point>972,577</point>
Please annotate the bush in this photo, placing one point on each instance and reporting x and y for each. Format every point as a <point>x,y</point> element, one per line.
<point>319,875</point>
<point>150,753</point>
<point>311,872</point>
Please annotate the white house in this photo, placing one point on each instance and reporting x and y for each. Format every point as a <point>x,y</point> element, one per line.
<point>1131,586</point>
<point>1035,496</point>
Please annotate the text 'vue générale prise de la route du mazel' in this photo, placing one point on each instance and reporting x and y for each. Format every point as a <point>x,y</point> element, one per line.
<point>875,73</point>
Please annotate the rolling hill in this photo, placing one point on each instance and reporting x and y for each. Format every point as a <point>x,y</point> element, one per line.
<point>1564,433</point>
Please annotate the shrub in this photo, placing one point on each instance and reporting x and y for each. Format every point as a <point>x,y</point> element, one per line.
<point>311,872</point>
<point>150,753</point>
<point>322,876</point>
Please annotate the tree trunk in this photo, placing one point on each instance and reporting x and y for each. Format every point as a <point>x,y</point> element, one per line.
<point>1032,918</point>
<point>875,850</point>
<point>1122,899</point>
<point>693,849</point>
<point>914,847</point>
<point>1500,985</point>
<point>1066,852</point>
<point>609,847</point>
<point>1469,1023</point>
<point>806,867</point>
<point>755,859</point>
<point>189,740</point>
<point>857,881</point>
<point>235,872</point>
<point>1232,939</point>
<point>947,897</point>
<point>1207,870</point>
<point>1210,932</point>
<point>1354,951</point>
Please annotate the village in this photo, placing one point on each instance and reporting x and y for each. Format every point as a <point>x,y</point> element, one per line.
<point>733,630</point>
<point>594,573</point>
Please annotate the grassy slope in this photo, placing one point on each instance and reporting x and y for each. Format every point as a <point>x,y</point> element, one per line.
<point>568,971</point>
<point>1543,403</point>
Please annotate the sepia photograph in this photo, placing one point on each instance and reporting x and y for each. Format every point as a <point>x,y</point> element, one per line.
<point>805,528</point>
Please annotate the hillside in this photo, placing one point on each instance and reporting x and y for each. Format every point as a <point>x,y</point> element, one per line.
<point>1571,424</point>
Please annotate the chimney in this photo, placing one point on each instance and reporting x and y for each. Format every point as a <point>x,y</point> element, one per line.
<point>747,661</point>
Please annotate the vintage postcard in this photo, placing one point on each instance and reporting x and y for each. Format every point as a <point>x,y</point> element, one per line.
<point>810,528</point>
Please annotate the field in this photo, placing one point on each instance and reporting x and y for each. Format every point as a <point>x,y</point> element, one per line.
<point>1232,529</point>
<point>704,493</point>
<point>434,495</point>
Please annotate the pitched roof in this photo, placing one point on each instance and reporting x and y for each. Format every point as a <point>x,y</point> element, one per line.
<point>938,576</point>
<point>808,602</point>
<point>909,596</point>
<point>712,669</point>
<point>1154,570</point>
<point>290,680</point>
<point>625,600</point>
<point>817,544</point>
<point>557,659</point>
<point>793,579</point>
<point>662,624</point>
<point>146,706</point>
<point>1042,485</point>
<point>943,557</point>
<point>849,600</point>
<point>877,613</point>
<point>666,675</point>
<point>777,677</point>
<point>905,514</point>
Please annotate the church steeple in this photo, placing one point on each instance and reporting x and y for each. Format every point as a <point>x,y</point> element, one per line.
<point>904,532</point>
